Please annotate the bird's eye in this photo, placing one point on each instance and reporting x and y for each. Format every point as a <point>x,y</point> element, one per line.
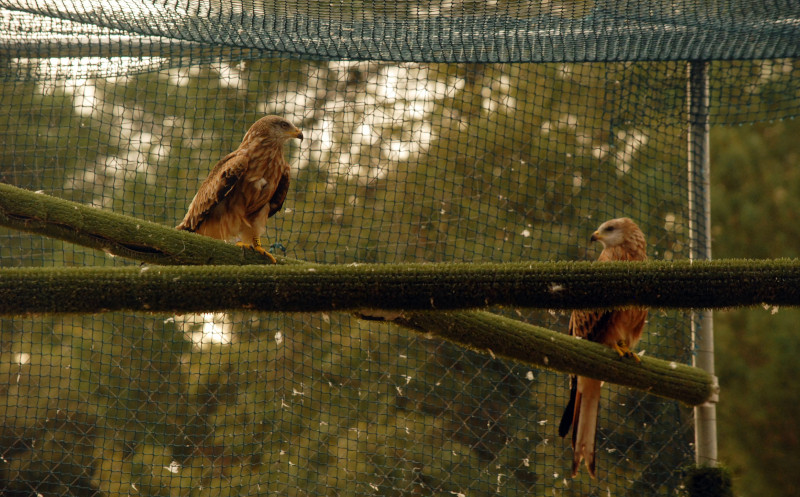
<point>609,228</point>
<point>285,125</point>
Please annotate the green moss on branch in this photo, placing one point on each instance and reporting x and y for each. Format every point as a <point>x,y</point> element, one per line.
<point>116,234</point>
<point>550,285</point>
<point>309,288</point>
<point>509,338</point>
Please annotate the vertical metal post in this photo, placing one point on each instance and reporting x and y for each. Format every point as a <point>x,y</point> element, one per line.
<point>699,168</point>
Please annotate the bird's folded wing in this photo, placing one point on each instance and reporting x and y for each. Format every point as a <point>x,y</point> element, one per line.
<point>214,189</point>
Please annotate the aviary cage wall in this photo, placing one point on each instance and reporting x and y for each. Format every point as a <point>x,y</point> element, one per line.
<point>436,131</point>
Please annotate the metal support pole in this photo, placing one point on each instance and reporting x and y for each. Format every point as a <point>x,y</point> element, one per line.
<point>699,169</point>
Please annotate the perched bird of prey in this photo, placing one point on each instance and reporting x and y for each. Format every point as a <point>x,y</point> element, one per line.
<point>245,188</point>
<point>622,241</point>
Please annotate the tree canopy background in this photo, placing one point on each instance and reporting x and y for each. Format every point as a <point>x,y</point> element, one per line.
<point>404,161</point>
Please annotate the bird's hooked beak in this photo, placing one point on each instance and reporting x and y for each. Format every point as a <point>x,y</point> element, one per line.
<point>299,134</point>
<point>596,236</point>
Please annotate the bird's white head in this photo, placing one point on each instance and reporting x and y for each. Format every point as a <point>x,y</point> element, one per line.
<point>617,232</point>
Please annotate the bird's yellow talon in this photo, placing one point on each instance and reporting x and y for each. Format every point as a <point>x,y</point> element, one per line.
<point>256,247</point>
<point>623,351</point>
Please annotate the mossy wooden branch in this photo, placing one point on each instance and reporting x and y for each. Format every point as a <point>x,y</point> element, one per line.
<point>298,286</point>
<point>309,288</point>
<point>115,234</point>
<point>509,338</point>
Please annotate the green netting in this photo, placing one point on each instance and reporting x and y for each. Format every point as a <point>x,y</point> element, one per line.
<point>435,131</point>
<point>442,30</point>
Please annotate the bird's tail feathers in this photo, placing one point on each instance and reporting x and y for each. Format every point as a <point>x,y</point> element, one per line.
<point>584,434</point>
<point>569,411</point>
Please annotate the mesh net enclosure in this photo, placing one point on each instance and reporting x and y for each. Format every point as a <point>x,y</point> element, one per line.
<point>436,131</point>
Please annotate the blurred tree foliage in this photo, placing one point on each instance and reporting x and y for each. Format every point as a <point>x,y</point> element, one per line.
<point>756,181</point>
<point>402,162</point>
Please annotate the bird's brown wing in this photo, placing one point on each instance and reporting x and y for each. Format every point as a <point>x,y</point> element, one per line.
<point>590,325</point>
<point>276,202</point>
<point>215,188</point>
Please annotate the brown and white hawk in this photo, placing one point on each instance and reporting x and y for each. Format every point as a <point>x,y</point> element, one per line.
<point>245,188</point>
<point>619,329</point>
